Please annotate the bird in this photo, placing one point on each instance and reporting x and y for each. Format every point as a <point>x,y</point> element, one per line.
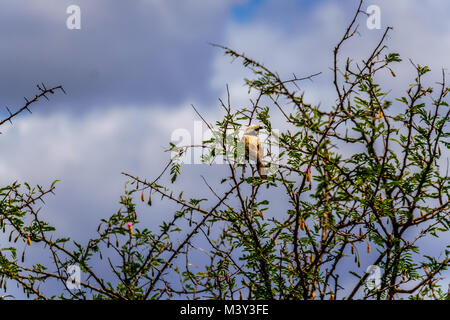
<point>253,148</point>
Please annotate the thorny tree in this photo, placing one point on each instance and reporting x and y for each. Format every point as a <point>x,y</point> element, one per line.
<point>362,178</point>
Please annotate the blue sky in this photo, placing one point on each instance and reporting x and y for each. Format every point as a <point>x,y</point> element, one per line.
<point>244,12</point>
<point>134,69</point>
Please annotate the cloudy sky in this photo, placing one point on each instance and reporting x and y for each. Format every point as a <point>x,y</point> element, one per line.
<point>134,68</point>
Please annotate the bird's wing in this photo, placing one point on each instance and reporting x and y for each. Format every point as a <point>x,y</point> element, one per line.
<point>254,152</point>
<point>252,146</point>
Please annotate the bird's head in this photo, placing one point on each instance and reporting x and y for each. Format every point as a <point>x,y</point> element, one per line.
<point>253,130</point>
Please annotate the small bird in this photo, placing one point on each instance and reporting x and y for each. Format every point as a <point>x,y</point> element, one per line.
<point>253,148</point>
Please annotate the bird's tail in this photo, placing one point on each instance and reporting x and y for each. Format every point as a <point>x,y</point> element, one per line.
<point>261,170</point>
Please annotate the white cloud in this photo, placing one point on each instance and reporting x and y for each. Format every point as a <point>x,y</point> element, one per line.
<point>88,154</point>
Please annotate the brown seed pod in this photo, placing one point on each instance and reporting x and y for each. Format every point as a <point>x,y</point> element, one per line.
<point>149,202</point>
<point>302,224</point>
<point>392,72</point>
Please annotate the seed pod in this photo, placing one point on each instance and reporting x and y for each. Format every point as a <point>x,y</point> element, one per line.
<point>392,72</point>
<point>274,239</point>
<point>359,263</point>
<point>149,202</point>
<point>368,247</point>
<point>261,214</point>
<point>142,196</point>
<point>308,174</point>
<point>23,256</point>
<point>353,248</point>
<point>311,258</point>
<point>130,228</point>
<point>302,224</point>
<point>28,240</point>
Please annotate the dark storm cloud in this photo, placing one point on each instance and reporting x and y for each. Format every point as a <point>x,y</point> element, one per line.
<point>127,52</point>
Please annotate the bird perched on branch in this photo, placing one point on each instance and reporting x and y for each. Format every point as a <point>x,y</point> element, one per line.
<point>253,148</point>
